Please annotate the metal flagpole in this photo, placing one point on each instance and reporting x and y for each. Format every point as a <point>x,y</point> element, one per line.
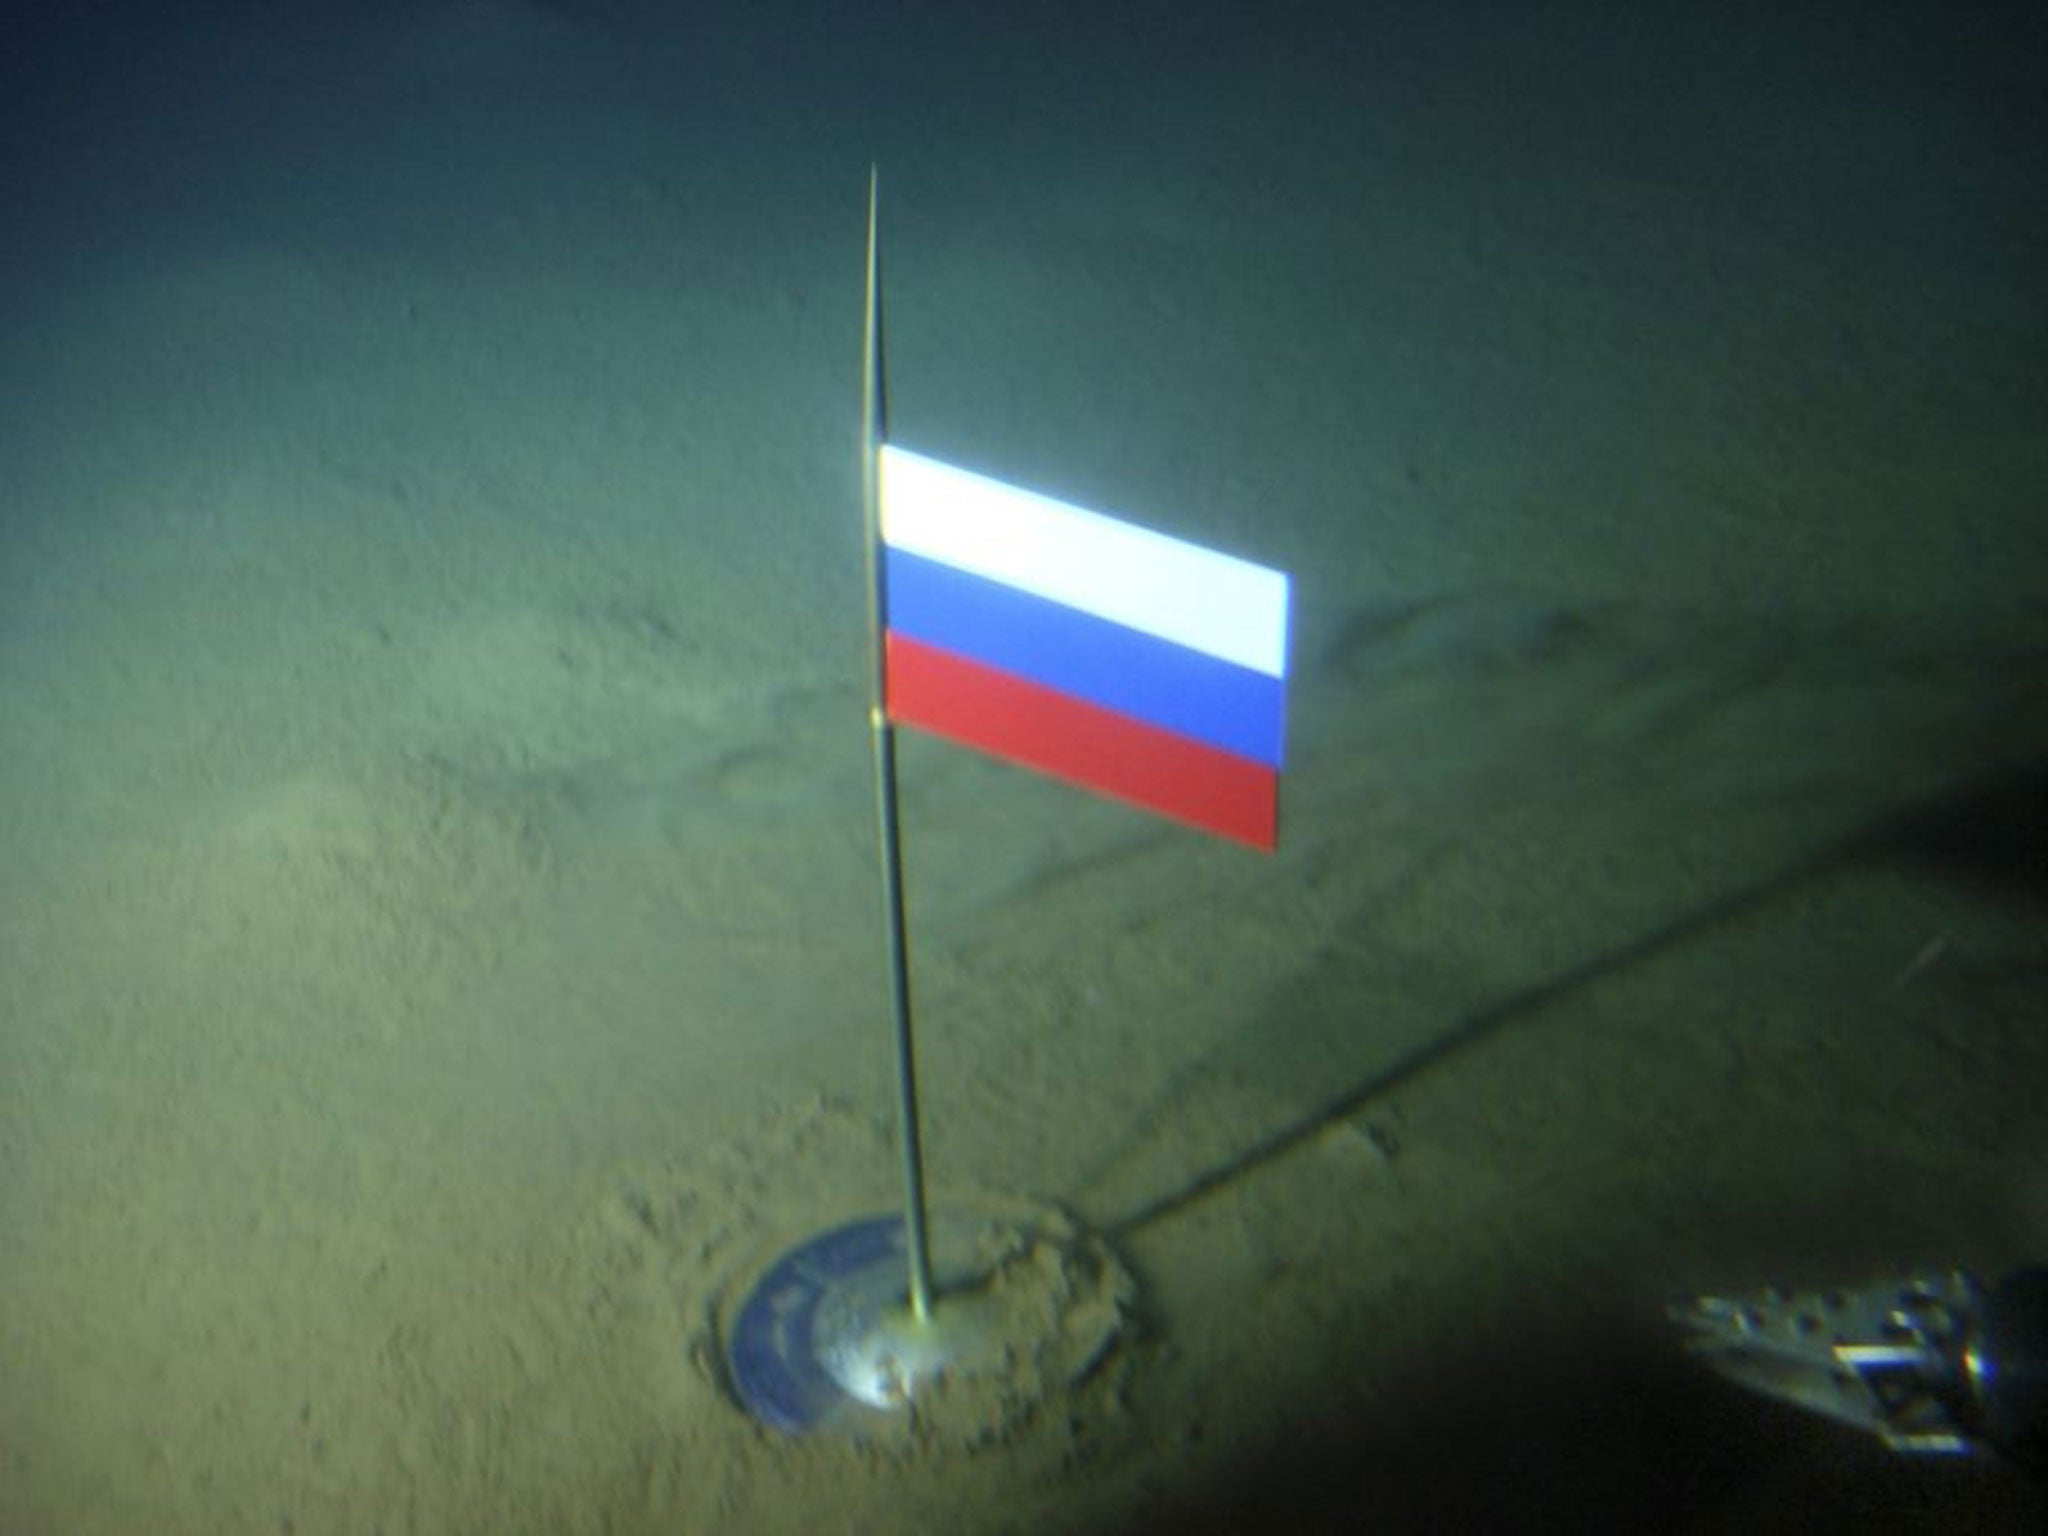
<point>874,429</point>
<point>822,1336</point>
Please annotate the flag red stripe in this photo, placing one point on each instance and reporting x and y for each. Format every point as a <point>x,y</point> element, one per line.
<point>1097,748</point>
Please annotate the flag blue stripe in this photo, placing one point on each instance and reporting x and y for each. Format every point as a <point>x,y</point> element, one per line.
<point>1209,700</point>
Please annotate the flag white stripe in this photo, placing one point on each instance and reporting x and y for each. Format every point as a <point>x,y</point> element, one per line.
<point>1181,592</point>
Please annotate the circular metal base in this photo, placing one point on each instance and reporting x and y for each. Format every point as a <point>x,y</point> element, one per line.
<point>825,1337</point>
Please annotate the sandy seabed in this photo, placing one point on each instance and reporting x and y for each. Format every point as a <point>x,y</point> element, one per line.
<point>438,945</point>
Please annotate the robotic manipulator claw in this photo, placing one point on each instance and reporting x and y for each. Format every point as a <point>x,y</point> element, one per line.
<point>1932,1364</point>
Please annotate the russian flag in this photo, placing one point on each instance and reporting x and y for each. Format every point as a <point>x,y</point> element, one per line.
<point>1117,658</point>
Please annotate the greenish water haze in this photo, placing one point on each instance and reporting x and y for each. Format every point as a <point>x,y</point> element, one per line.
<point>437,946</point>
